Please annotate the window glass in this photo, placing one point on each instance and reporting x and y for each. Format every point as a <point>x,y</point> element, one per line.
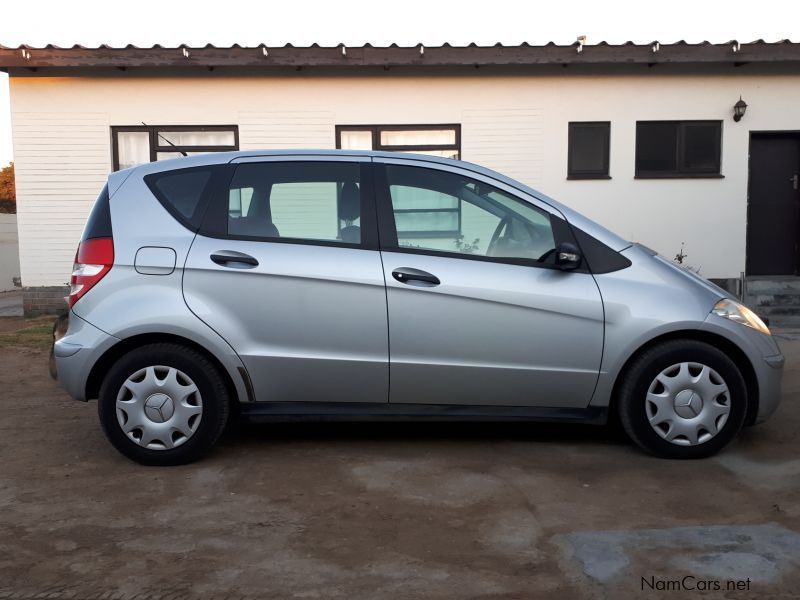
<point>303,209</point>
<point>656,147</point>
<point>171,155</point>
<point>700,147</point>
<point>98,225</point>
<point>133,148</point>
<point>356,140</point>
<point>181,190</point>
<point>423,137</point>
<point>434,140</point>
<point>440,153</point>
<point>588,150</point>
<point>197,138</point>
<point>411,198</point>
<point>304,200</point>
<point>431,223</point>
<point>678,148</point>
<point>239,201</point>
<point>446,212</point>
<point>528,211</point>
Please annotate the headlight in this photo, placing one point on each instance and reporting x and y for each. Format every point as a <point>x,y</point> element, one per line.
<point>735,311</point>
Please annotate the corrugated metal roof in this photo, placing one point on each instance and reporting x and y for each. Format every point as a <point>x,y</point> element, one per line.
<point>367,55</point>
<point>393,45</point>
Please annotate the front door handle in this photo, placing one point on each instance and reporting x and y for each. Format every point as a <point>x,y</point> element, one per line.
<point>231,258</point>
<point>407,275</point>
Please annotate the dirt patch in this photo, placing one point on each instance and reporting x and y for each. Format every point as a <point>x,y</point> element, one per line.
<point>383,510</point>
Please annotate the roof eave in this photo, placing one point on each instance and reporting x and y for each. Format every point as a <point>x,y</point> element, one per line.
<point>417,56</point>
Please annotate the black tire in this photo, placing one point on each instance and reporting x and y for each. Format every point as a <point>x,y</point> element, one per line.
<point>644,369</point>
<point>209,382</point>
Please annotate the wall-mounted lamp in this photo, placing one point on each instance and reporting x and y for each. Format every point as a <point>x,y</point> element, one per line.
<point>739,109</point>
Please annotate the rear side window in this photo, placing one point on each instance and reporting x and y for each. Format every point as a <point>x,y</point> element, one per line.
<point>182,193</point>
<point>300,202</point>
<point>99,222</point>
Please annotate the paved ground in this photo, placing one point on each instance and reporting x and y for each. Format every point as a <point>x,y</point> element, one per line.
<point>11,304</point>
<point>386,511</point>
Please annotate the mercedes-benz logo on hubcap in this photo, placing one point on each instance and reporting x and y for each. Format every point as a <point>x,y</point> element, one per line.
<point>688,404</point>
<point>159,408</point>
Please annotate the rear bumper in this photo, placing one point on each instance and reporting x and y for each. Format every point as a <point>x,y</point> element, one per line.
<point>77,352</point>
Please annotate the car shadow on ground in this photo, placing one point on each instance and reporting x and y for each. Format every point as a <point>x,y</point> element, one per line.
<point>403,430</point>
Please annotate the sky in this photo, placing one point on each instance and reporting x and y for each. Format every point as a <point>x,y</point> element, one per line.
<point>355,22</point>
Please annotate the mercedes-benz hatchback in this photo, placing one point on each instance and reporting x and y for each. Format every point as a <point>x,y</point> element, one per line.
<point>355,285</point>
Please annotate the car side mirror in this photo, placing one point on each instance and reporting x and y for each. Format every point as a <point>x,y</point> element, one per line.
<point>568,257</point>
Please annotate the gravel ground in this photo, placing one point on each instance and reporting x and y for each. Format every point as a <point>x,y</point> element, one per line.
<point>397,510</point>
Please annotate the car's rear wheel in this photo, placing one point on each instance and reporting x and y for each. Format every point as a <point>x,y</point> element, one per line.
<point>163,404</point>
<point>682,399</point>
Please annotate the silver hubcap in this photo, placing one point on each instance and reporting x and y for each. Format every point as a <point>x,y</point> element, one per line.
<point>688,404</point>
<point>159,407</point>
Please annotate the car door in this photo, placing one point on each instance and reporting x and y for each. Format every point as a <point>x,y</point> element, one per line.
<point>479,314</point>
<point>286,269</point>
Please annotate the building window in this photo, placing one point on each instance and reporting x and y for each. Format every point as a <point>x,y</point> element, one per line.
<point>588,151</point>
<point>434,140</point>
<point>131,146</point>
<point>678,148</point>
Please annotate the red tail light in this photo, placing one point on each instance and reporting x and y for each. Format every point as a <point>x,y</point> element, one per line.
<point>92,261</point>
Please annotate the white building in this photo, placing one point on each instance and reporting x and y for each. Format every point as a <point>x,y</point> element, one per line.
<point>641,138</point>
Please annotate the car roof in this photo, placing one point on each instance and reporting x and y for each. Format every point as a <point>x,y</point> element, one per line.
<point>575,218</point>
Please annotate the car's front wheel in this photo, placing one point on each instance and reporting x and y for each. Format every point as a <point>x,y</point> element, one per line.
<point>682,399</point>
<point>163,404</point>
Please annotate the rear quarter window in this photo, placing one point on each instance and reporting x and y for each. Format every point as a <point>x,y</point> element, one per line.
<point>183,193</point>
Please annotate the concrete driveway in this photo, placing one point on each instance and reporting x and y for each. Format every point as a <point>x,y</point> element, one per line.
<point>402,510</point>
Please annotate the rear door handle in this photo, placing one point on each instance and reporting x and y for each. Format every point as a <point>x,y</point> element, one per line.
<point>231,258</point>
<point>407,275</point>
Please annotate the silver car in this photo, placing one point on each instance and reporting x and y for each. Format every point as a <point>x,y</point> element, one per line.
<point>368,285</point>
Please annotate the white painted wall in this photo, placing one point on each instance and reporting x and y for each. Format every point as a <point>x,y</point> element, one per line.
<point>515,124</point>
<point>9,252</point>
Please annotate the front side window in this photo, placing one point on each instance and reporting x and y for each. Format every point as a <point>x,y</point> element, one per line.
<point>678,148</point>
<point>312,201</point>
<point>445,212</point>
<point>433,140</point>
<point>136,145</point>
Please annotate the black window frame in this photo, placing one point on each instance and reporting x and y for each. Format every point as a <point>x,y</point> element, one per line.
<point>603,173</point>
<point>158,145</point>
<point>681,171</point>
<point>387,231</point>
<point>215,219</point>
<point>376,131</point>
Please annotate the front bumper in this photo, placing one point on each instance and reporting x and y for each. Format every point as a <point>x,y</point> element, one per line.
<point>770,381</point>
<point>763,354</point>
<point>77,352</point>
